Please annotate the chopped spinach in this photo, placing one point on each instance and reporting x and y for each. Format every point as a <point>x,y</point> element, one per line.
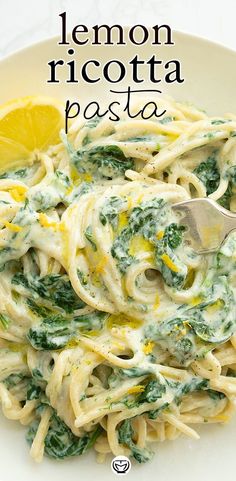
<point>53,333</point>
<point>89,236</point>
<point>153,391</point>
<point>143,138</point>
<point>93,321</point>
<point>134,372</point>
<point>154,413</point>
<point>193,332</point>
<point>219,122</point>
<point>4,321</point>
<point>110,211</point>
<point>13,379</point>
<point>40,311</point>
<point>55,288</point>
<point>144,220</point>
<point>60,442</point>
<point>37,375</point>
<point>82,277</point>
<point>226,197</point>
<point>208,172</point>
<point>102,161</point>
<point>56,331</point>
<point>166,120</point>
<point>216,395</point>
<point>17,174</point>
<point>61,176</point>
<point>126,433</point>
<point>173,235</point>
<point>196,384</point>
<point>92,123</point>
<point>34,391</point>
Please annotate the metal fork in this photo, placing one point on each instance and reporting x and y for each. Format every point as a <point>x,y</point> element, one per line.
<point>208,224</point>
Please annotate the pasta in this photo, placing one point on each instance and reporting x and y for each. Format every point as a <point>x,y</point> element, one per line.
<point>114,333</point>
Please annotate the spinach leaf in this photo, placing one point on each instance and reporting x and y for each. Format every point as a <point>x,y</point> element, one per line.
<point>218,122</point>
<point>216,395</point>
<point>55,288</point>
<point>166,120</point>
<point>92,123</point>
<point>208,172</point>
<point>13,379</point>
<point>40,311</point>
<point>53,333</point>
<point>153,391</point>
<point>4,321</point>
<point>226,197</point>
<point>60,442</point>
<point>102,161</point>
<point>34,391</point>
<point>134,372</point>
<point>118,375</point>
<point>82,277</point>
<point>126,434</point>
<point>154,413</point>
<point>89,236</point>
<point>93,321</point>
<point>194,331</point>
<point>16,174</point>
<point>173,235</point>
<point>63,178</point>
<point>120,250</point>
<point>56,331</point>
<point>196,384</point>
<point>145,221</point>
<point>37,374</point>
<point>110,211</point>
<point>143,138</point>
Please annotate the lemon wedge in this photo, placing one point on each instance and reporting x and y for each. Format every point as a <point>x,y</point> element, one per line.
<point>28,125</point>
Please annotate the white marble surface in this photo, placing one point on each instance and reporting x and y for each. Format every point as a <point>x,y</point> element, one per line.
<point>25,21</point>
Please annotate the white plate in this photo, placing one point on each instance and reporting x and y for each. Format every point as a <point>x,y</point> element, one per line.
<point>210,79</point>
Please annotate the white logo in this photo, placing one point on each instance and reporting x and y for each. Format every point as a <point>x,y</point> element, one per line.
<point>121,465</point>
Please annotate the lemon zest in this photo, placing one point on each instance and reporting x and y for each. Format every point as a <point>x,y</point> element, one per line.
<point>124,321</point>
<point>196,300</point>
<point>45,222</point>
<point>157,302</point>
<point>122,221</point>
<point>222,418</point>
<point>148,348</point>
<point>136,389</point>
<point>160,234</point>
<point>169,263</point>
<point>18,193</point>
<point>10,226</point>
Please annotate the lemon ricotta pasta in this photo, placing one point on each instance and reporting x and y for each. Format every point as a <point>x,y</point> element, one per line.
<point>114,333</point>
